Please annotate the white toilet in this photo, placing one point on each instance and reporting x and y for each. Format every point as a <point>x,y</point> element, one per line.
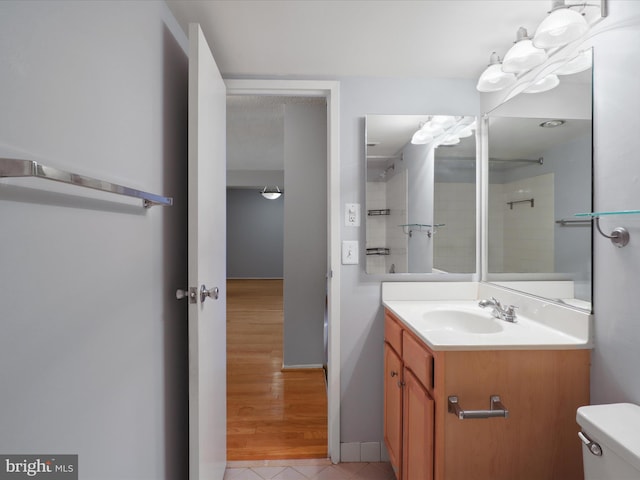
<point>611,441</point>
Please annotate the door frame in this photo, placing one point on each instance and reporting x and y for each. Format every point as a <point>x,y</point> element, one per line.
<point>330,90</point>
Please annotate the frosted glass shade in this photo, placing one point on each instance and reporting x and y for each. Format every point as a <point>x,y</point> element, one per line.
<point>421,137</point>
<point>547,83</point>
<point>271,193</point>
<point>523,56</point>
<point>562,26</point>
<point>579,63</point>
<point>450,140</point>
<point>493,79</point>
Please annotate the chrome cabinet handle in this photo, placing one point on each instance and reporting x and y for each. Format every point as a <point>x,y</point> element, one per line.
<point>496,409</point>
<point>211,293</point>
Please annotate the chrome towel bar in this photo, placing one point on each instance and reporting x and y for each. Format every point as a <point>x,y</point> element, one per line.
<point>496,409</point>
<point>11,168</point>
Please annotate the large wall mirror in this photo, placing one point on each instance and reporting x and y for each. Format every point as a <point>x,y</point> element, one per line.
<point>420,206</point>
<point>540,176</point>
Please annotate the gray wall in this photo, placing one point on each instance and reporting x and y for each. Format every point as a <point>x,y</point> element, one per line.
<point>617,172</point>
<point>305,238</point>
<point>362,321</point>
<point>255,231</point>
<point>93,345</point>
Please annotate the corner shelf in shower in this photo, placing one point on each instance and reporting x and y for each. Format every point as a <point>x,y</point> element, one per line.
<point>620,235</point>
<point>429,229</point>
<point>378,212</point>
<point>378,251</point>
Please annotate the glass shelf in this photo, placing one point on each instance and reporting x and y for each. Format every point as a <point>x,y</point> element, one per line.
<point>418,225</point>
<point>620,235</point>
<point>409,228</point>
<point>602,214</point>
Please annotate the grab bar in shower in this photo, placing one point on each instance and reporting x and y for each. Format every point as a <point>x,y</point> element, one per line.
<point>11,168</point>
<point>528,200</point>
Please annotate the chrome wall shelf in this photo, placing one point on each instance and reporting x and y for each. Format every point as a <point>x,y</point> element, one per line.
<point>620,235</point>
<point>382,211</point>
<point>13,168</point>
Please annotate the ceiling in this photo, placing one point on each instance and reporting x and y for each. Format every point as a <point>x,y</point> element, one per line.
<point>328,39</point>
<point>426,38</point>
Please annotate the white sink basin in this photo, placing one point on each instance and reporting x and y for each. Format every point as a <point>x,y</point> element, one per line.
<point>463,325</point>
<point>460,320</point>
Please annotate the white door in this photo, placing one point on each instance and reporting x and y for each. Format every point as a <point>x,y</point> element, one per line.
<point>207,262</point>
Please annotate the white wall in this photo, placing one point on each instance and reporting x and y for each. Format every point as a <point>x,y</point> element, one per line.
<point>617,174</point>
<point>362,328</point>
<point>93,356</point>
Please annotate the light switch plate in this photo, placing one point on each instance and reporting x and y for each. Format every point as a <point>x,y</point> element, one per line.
<point>352,214</point>
<point>350,252</point>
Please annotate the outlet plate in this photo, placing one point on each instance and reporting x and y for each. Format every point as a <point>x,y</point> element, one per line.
<point>350,252</point>
<point>352,214</point>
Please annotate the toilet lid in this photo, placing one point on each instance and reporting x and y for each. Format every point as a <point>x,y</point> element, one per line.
<point>615,426</point>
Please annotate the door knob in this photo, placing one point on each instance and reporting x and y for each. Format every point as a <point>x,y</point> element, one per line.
<point>211,293</point>
<point>190,293</point>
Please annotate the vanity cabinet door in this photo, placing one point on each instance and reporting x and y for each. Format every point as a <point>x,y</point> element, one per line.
<point>418,430</point>
<point>393,407</point>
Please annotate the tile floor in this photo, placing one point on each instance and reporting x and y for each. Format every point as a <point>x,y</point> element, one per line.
<point>308,470</point>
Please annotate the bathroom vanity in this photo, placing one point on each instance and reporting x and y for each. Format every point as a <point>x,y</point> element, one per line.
<point>469,396</point>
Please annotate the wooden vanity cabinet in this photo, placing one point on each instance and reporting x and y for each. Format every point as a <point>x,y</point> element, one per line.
<point>540,388</point>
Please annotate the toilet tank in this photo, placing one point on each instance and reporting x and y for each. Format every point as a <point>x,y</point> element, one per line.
<point>616,429</point>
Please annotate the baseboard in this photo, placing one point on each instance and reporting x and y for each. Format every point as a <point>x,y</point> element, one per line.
<point>362,452</point>
<point>303,367</point>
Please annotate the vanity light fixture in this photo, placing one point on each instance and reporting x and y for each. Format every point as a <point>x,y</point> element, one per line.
<point>494,79</point>
<point>561,27</point>
<point>566,23</point>
<point>271,193</point>
<point>523,55</point>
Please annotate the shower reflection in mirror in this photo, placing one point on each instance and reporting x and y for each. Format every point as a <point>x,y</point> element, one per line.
<point>420,194</point>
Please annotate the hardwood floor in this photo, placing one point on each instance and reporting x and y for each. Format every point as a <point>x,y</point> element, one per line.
<point>271,414</point>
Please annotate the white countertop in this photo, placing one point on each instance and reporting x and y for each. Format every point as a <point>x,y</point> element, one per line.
<point>539,325</point>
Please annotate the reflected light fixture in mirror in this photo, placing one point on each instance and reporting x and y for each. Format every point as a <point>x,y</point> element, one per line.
<point>547,83</point>
<point>271,193</point>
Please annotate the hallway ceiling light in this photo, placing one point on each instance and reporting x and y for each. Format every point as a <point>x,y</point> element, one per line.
<point>271,193</point>
<point>561,27</point>
<point>523,55</point>
<point>494,79</point>
<point>547,83</point>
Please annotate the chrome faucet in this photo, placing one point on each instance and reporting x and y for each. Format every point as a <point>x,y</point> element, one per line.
<point>508,313</point>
